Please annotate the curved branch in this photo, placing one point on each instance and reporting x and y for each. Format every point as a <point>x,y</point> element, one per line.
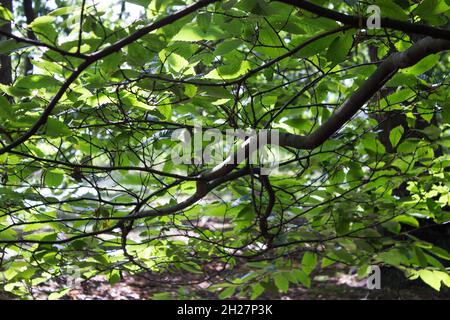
<point>355,21</point>
<point>105,168</point>
<point>375,82</point>
<point>263,223</point>
<point>385,71</point>
<point>142,214</point>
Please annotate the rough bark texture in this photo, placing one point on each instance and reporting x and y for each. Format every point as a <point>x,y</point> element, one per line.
<point>30,16</point>
<point>5,60</point>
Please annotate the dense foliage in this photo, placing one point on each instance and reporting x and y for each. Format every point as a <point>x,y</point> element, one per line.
<point>94,90</point>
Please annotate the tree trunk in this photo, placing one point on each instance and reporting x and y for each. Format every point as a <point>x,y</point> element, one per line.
<point>5,60</point>
<point>30,16</point>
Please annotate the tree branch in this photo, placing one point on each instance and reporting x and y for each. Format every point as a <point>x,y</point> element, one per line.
<point>375,82</point>
<point>355,21</point>
<point>37,43</point>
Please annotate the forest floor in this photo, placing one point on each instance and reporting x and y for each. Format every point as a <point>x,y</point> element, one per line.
<point>336,284</point>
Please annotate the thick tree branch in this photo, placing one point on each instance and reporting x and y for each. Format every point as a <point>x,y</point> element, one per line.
<point>375,82</point>
<point>355,21</point>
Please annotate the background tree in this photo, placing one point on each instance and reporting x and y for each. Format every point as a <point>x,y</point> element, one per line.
<point>5,60</point>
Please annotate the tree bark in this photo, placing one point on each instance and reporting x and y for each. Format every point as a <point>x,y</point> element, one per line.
<point>360,21</point>
<point>5,60</point>
<point>30,16</point>
<point>385,71</point>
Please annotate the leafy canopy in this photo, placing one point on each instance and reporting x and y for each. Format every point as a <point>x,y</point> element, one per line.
<point>93,187</point>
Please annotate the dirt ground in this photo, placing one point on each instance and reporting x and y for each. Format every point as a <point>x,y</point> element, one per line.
<point>330,284</point>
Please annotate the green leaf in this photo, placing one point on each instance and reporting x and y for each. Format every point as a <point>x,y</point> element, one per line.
<point>229,72</point>
<point>441,253</point>
<point>227,46</point>
<point>257,290</point>
<point>421,258</point>
<point>62,11</point>
<point>215,210</point>
<point>6,111</point>
<point>138,55</point>
<point>281,282</point>
<point>228,4</point>
<point>44,29</point>
<point>5,14</point>
<point>162,296</point>
<point>423,65</point>
<point>339,48</point>
<point>393,257</point>
<point>58,294</point>
<point>8,234</point>
<point>430,278</point>
<point>326,262</point>
<point>309,262</point>
<point>301,276</point>
<point>176,62</point>
<point>228,292</point>
<point>53,179</point>
<point>429,8</point>
<point>144,3</point>
<point>42,21</point>
<point>204,20</point>
<point>314,48</point>
<point>196,33</point>
<point>11,45</point>
<point>446,112</point>
<point>165,111</point>
<point>374,145</point>
<point>114,277</point>
<point>401,79</point>
<point>270,42</point>
<point>190,90</point>
<point>395,135</point>
<point>407,220</point>
<point>390,9</point>
<point>56,128</point>
<point>191,267</point>
<point>37,81</point>
<point>444,276</point>
<point>399,96</point>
